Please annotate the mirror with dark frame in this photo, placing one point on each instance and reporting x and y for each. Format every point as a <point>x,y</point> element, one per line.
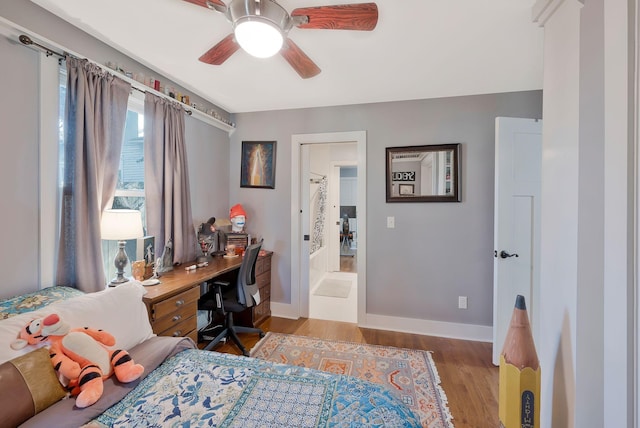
<point>423,173</point>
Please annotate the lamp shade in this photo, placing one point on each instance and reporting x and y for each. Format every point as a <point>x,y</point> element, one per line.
<point>120,225</point>
<point>258,37</point>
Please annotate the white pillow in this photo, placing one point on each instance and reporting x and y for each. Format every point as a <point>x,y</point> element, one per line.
<point>117,310</point>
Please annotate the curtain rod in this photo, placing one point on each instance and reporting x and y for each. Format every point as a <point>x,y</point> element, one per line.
<point>27,41</point>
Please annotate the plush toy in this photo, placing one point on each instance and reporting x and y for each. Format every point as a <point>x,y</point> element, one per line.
<point>80,355</point>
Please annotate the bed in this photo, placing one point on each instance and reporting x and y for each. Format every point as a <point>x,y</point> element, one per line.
<point>182,385</point>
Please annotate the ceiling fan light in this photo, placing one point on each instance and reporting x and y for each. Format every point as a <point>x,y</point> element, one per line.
<point>259,38</point>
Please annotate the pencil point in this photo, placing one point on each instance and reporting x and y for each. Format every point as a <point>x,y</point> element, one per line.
<point>519,392</point>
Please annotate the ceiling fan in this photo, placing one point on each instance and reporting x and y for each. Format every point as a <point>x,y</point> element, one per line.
<point>261,27</point>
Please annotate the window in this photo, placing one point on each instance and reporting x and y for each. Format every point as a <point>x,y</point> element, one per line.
<point>130,187</point>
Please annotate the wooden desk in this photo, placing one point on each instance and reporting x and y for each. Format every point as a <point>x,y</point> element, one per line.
<point>173,304</point>
<point>257,314</point>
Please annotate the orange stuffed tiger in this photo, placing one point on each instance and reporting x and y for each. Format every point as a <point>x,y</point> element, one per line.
<point>80,355</point>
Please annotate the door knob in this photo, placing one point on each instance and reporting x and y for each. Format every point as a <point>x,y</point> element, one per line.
<point>505,255</point>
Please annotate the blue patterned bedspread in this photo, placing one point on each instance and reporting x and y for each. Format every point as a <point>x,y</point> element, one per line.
<point>201,388</point>
<point>36,300</point>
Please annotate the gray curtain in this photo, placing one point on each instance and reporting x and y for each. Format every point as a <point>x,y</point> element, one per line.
<point>166,179</point>
<point>96,109</point>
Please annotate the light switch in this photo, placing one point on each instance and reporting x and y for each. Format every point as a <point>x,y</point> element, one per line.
<point>462,302</point>
<point>391,222</point>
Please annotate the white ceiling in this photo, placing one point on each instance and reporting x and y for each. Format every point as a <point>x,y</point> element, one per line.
<point>419,49</point>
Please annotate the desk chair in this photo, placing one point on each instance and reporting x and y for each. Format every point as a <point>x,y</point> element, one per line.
<point>227,300</point>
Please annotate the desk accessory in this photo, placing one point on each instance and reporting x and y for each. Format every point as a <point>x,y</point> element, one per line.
<point>209,240</point>
<point>165,264</point>
<point>138,270</point>
<point>120,225</point>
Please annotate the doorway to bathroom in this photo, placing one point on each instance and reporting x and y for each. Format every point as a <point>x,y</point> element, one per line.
<point>330,263</point>
<point>333,280</point>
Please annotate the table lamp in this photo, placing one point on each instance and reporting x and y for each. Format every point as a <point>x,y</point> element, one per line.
<point>120,225</point>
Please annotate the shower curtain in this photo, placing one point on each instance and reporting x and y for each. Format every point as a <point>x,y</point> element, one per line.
<point>319,201</point>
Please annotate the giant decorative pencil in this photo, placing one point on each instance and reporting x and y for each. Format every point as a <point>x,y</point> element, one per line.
<point>519,389</point>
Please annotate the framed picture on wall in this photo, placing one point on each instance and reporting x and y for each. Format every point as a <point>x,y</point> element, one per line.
<point>429,173</point>
<point>405,189</point>
<point>258,164</point>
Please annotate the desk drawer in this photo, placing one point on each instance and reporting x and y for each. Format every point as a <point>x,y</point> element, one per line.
<point>263,264</point>
<point>184,328</point>
<point>261,312</point>
<point>263,279</point>
<point>259,266</point>
<point>179,315</point>
<point>170,305</point>
<point>265,292</point>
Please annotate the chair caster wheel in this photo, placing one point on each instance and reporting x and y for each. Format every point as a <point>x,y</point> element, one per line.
<point>261,335</point>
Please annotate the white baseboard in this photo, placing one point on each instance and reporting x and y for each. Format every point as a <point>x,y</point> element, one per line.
<point>480,333</point>
<point>284,310</point>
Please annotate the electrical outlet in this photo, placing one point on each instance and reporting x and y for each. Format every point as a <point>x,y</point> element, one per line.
<point>391,222</point>
<point>462,302</point>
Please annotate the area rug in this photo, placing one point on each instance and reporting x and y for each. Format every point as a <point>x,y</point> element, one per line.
<point>333,288</point>
<point>410,374</point>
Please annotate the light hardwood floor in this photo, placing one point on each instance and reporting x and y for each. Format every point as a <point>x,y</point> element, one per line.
<point>347,264</point>
<point>468,377</point>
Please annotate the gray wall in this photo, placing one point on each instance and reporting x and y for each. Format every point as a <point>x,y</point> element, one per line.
<point>208,158</point>
<point>18,167</point>
<point>437,251</point>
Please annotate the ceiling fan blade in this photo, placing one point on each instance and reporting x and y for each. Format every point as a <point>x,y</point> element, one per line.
<point>221,52</point>
<point>300,62</point>
<point>216,4</point>
<point>361,16</point>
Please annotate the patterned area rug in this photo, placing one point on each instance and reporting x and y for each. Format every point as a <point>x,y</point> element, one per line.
<point>410,374</point>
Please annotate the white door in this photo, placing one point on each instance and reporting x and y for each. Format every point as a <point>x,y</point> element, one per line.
<point>334,219</point>
<point>305,220</point>
<point>516,265</point>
